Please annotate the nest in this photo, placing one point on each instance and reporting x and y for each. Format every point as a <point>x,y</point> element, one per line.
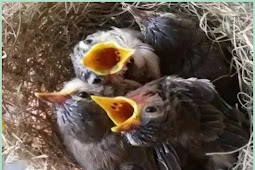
<point>38,38</point>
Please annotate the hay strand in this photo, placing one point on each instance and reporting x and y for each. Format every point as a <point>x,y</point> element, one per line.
<point>38,38</point>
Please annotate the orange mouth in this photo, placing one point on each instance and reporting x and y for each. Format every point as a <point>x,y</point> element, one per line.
<point>122,111</point>
<point>107,58</point>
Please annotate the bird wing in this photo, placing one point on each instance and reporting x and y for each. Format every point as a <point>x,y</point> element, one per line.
<point>202,117</point>
<point>203,89</point>
<point>167,157</point>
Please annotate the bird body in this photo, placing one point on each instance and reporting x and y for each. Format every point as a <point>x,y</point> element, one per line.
<point>186,51</point>
<point>111,153</point>
<point>85,129</point>
<point>187,113</point>
<point>143,65</point>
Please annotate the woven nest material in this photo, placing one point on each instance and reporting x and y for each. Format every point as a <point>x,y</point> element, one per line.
<point>38,38</point>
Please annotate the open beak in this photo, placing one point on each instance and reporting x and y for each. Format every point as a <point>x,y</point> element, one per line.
<point>139,15</point>
<point>124,113</point>
<point>55,97</point>
<point>107,58</point>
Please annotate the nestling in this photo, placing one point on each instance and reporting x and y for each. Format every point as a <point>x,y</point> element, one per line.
<point>185,50</point>
<point>117,57</point>
<point>85,129</point>
<point>187,113</point>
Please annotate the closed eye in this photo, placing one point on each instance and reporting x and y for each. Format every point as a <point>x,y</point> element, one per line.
<point>88,41</point>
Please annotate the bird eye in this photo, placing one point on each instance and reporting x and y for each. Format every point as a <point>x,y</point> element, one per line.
<point>97,81</point>
<point>83,95</point>
<point>151,109</point>
<point>88,41</point>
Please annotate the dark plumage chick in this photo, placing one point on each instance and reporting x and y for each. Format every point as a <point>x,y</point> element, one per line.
<point>85,129</point>
<point>184,49</point>
<point>187,113</point>
<point>117,57</point>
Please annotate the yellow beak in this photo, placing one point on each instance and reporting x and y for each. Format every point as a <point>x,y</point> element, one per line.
<point>124,113</point>
<point>107,58</point>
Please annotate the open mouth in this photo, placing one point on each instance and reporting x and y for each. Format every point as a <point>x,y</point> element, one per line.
<point>122,111</point>
<point>107,58</point>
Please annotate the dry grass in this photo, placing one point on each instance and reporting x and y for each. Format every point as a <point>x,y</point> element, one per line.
<point>37,41</point>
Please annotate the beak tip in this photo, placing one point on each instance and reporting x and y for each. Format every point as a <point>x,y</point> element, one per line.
<point>140,16</point>
<point>115,130</point>
<point>37,94</point>
<point>97,99</point>
<point>93,97</point>
<point>82,62</point>
<point>129,8</point>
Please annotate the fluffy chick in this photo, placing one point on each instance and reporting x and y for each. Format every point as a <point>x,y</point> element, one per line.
<point>185,50</point>
<point>142,66</point>
<point>85,129</point>
<point>187,113</point>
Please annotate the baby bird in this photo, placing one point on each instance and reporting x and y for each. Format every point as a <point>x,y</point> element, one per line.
<point>85,129</point>
<point>187,113</point>
<point>185,50</point>
<point>116,57</point>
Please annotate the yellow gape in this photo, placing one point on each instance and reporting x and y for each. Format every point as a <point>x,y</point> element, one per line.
<point>124,113</point>
<point>107,58</point>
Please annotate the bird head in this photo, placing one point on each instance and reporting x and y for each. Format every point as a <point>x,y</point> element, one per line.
<point>137,115</point>
<point>161,30</point>
<point>107,57</point>
<point>77,114</point>
<point>142,18</point>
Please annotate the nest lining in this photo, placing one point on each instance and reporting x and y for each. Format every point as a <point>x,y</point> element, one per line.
<point>38,38</point>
